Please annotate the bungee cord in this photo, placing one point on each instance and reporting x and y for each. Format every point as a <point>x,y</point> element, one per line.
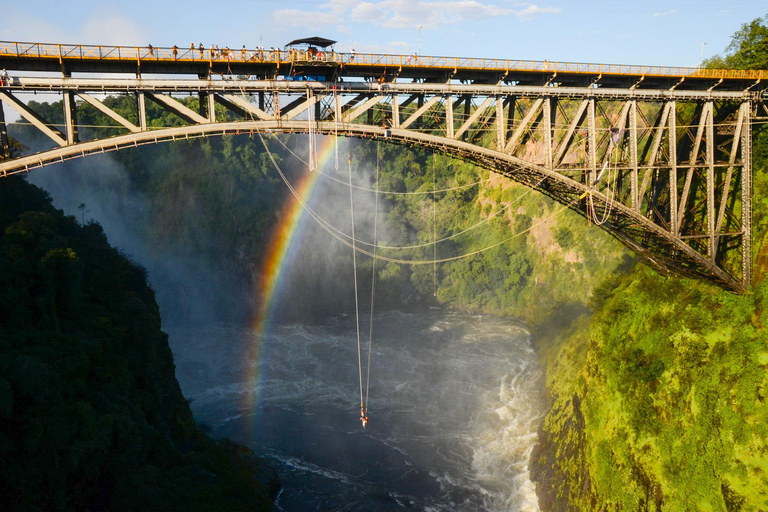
<point>373,284</point>
<point>434,223</point>
<point>487,219</point>
<point>611,190</point>
<point>323,224</point>
<point>357,302</point>
<point>383,192</point>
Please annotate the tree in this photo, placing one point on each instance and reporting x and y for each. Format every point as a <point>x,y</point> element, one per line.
<point>748,48</point>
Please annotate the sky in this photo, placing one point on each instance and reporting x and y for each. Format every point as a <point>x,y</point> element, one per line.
<point>648,32</point>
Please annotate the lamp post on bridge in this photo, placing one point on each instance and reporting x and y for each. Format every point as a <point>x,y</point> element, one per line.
<point>701,54</point>
<point>420,27</point>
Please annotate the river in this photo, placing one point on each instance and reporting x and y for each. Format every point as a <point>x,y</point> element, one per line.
<point>454,407</point>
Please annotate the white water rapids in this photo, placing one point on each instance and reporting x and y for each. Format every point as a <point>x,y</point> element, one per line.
<point>454,408</point>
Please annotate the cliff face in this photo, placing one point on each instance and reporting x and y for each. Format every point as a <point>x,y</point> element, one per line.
<point>659,401</point>
<point>91,414</point>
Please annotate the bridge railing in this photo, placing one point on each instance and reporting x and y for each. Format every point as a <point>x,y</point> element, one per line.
<point>277,56</point>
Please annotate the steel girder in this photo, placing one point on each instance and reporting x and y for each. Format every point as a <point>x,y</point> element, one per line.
<point>666,172</point>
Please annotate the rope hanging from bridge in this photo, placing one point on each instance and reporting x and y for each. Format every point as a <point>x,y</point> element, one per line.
<point>363,419</point>
<point>333,231</point>
<point>487,219</point>
<point>434,223</point>
<point>610,187</point>
<point>366,189</point>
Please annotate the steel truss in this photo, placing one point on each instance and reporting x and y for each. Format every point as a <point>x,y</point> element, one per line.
<point>670,170</point>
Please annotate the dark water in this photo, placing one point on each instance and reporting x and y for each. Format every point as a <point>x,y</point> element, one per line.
<point>454,407</point>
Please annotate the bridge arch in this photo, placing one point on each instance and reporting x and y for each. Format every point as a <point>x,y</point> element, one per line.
<point>678,139</point>
<point>650,241</point>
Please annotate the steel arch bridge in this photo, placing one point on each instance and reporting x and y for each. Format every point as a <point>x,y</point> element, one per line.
<point>663,155</point>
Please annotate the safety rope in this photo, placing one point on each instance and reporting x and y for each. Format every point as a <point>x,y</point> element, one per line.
<point>610,190</point>
<point>487,219</point>
<point>434,223</point>
<point>357,302</point>
<point>382,192</point>
<point>324,224</point>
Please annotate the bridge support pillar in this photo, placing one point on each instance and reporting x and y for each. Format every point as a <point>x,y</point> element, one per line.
<point>673,219</point>
<point>141,108</point>
<point>202,104</point>
<point>500,137</point>
<point>710,184</point>
<point>450,127</point>
<point>5,147</point>
<point>70,117</point>
<point>395,111</point>
<point>548,111</point>
<point>591,163</point>
<point>634,185</point>
<point>746,196</point>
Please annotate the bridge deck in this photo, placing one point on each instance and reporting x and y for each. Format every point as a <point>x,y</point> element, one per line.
<point>332,66</point>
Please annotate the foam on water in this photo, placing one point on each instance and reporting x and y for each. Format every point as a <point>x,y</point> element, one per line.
<point>454,409</point>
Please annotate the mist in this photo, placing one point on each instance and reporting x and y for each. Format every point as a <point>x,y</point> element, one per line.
<point>317,277</point>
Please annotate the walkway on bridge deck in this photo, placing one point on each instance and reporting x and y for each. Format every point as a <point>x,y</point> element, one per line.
<point>333,66</point>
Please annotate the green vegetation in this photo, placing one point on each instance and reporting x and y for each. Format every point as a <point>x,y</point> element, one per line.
<point>549,265</point>
<point>658,401</point>
<point>91,414</point>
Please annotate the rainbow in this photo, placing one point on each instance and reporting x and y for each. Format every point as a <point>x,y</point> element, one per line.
<point>280,251</point>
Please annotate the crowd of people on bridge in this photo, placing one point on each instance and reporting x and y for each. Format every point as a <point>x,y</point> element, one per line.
<point>199,52</point>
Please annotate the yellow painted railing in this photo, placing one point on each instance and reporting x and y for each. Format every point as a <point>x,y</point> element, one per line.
<point>66,52</point>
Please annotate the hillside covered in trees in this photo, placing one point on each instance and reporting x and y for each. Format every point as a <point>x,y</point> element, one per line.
<point>91,414</point>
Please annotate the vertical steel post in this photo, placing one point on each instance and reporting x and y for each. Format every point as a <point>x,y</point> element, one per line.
<point>276,108</point>
<point>511,100</point>
<point>592,142</point>
<point>141,108</point>
<point>5,146</point>
<point>547,113</point>
<point>500,123</point>
<point>710,130</point>
<point>467,111</point>
<point>746,196</point>
<point>633,154</point>
<point>202,104</point>
<point>672,141</point>
<point>211,107</point>
<point>336,109</point>
<point>70,117</point>
<point>449,128</point>
<point>395,111</point>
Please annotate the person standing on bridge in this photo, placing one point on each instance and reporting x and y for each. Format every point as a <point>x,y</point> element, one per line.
<point>175,52</point>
